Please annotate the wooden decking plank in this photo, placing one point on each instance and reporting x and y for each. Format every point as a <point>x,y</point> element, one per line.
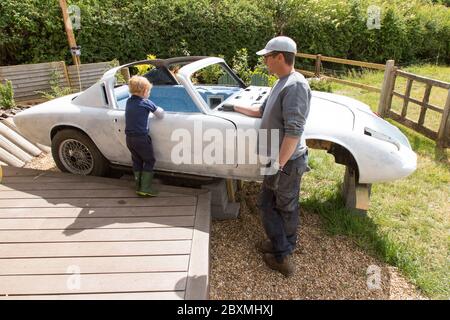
<point>95,212</point>
<point>95,193</point>
<point>26,172</point>
<point>93,249</point>
<point>57,228</point>
<point>20,175</point>
<point>95,223</point>
<point>46,179</point>
<point>26,186</point>
<point>159,295</point>
<point>97,202</point>
<point>86,265</point>
<point>197,286</point>
<point>8,236</point>
<point>92,283</point>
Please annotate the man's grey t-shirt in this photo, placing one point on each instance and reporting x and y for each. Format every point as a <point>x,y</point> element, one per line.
<point>286,109</point>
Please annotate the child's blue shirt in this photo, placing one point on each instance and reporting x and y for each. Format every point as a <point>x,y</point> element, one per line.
<point>136,115</point>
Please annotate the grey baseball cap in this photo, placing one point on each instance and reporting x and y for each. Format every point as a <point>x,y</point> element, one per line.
<point>280,43</point>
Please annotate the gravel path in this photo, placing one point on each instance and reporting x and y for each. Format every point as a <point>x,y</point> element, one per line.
<point>328,267</point>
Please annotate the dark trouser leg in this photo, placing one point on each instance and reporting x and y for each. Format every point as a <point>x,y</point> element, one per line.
<point>148,156</point>
<point>273,222</point>
<point>138,163</point>
<point>141,149</point>
<point>279,208</point>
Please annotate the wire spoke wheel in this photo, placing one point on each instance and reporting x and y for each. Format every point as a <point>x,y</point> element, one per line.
<point>76,157</point>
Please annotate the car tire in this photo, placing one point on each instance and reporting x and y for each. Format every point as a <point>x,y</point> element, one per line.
<point>74,152</point>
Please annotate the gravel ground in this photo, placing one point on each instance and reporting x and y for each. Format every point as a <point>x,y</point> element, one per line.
<point>42,162</point>
<point>327,267</point>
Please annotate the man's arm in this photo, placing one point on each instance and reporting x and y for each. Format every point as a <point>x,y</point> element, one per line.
<point>287,149</point>
<point>252,111</point>
<point>295,112</point>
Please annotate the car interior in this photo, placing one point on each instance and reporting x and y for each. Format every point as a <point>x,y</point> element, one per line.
<point>173,97</point>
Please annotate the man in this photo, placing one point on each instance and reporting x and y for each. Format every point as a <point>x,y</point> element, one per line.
<point>286,110</point>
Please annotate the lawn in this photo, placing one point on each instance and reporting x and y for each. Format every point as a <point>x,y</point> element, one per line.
<point>408,222</point>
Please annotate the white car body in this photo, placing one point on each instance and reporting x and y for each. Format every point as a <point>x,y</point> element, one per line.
<point>377,150</point>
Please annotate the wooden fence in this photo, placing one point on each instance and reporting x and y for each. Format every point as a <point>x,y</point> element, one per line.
<point>28,79</point>
<point>88,74</point>
<point>387,92</point>
<point>319,74</point>
<point>442,135</point>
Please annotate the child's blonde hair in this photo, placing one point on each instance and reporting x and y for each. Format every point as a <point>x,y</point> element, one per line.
<point>138,85</point>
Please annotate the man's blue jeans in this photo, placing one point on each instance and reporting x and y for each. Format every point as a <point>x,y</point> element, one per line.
<point>279,208</point>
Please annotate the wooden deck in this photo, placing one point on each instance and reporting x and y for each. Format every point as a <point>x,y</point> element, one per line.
<point>74,237</point>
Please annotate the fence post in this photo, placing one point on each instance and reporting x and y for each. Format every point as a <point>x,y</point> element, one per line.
<point>443,139</point>
<point>318,63</point>
<point>387,88</point>
<point>126,74</point>
<point>66,73</point>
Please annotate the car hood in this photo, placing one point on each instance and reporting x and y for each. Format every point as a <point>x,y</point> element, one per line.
<point>327,111</point>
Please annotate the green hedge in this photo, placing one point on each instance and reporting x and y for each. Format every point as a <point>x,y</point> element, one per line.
<point>32,31</point>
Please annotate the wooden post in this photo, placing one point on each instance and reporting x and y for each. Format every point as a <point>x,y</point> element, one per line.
<point>423,110</point>
<point>356,195</point>
<point>318,63</point>
<point>407,95</point>
<point>230,190</point>
<point>387,88</point>
<point>240,185</point>
<point>443,139</point>
<point>69,30</point>
<point>66,73</point>
<point>126,74</point>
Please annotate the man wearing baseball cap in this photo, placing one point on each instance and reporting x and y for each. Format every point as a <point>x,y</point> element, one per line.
<point>286,109</point>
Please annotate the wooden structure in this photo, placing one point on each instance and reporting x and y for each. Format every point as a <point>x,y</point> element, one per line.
<point>319,74</point>
<point>391,72</point>
<point>442,135</point>
<point>76,237</point>
<point>69,30</point>
<point>28,78</point>
<point>83,76</point>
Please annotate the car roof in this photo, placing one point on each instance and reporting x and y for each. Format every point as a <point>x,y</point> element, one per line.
<point>166,62</point>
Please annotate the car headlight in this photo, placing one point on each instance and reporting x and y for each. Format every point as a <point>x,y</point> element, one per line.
<point>381,136</point>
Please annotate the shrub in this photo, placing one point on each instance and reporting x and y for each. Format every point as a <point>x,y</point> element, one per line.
<point>411,30</point>
<point>7,95</point>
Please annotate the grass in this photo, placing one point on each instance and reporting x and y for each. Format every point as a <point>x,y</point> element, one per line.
<point>408,222</point>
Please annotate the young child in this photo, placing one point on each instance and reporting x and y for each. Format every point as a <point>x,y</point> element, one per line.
<point>136,130</point>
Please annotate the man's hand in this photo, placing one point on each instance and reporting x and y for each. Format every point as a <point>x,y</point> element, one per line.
<point>227,107</point>
<point>271,182</point>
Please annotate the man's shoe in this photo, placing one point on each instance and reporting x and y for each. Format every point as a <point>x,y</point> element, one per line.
<point>146,189</point>
<point>137,180</point>
<point>285,267</point>
<point>265,246</point>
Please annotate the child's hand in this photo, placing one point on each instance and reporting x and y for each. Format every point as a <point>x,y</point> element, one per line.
<point>159,113</point>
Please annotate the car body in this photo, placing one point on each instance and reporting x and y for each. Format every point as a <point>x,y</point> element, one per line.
<point>86,130</point>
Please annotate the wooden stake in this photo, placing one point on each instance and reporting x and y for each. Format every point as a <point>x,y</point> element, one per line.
<point>69,30</point>
<point>387,88</point>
